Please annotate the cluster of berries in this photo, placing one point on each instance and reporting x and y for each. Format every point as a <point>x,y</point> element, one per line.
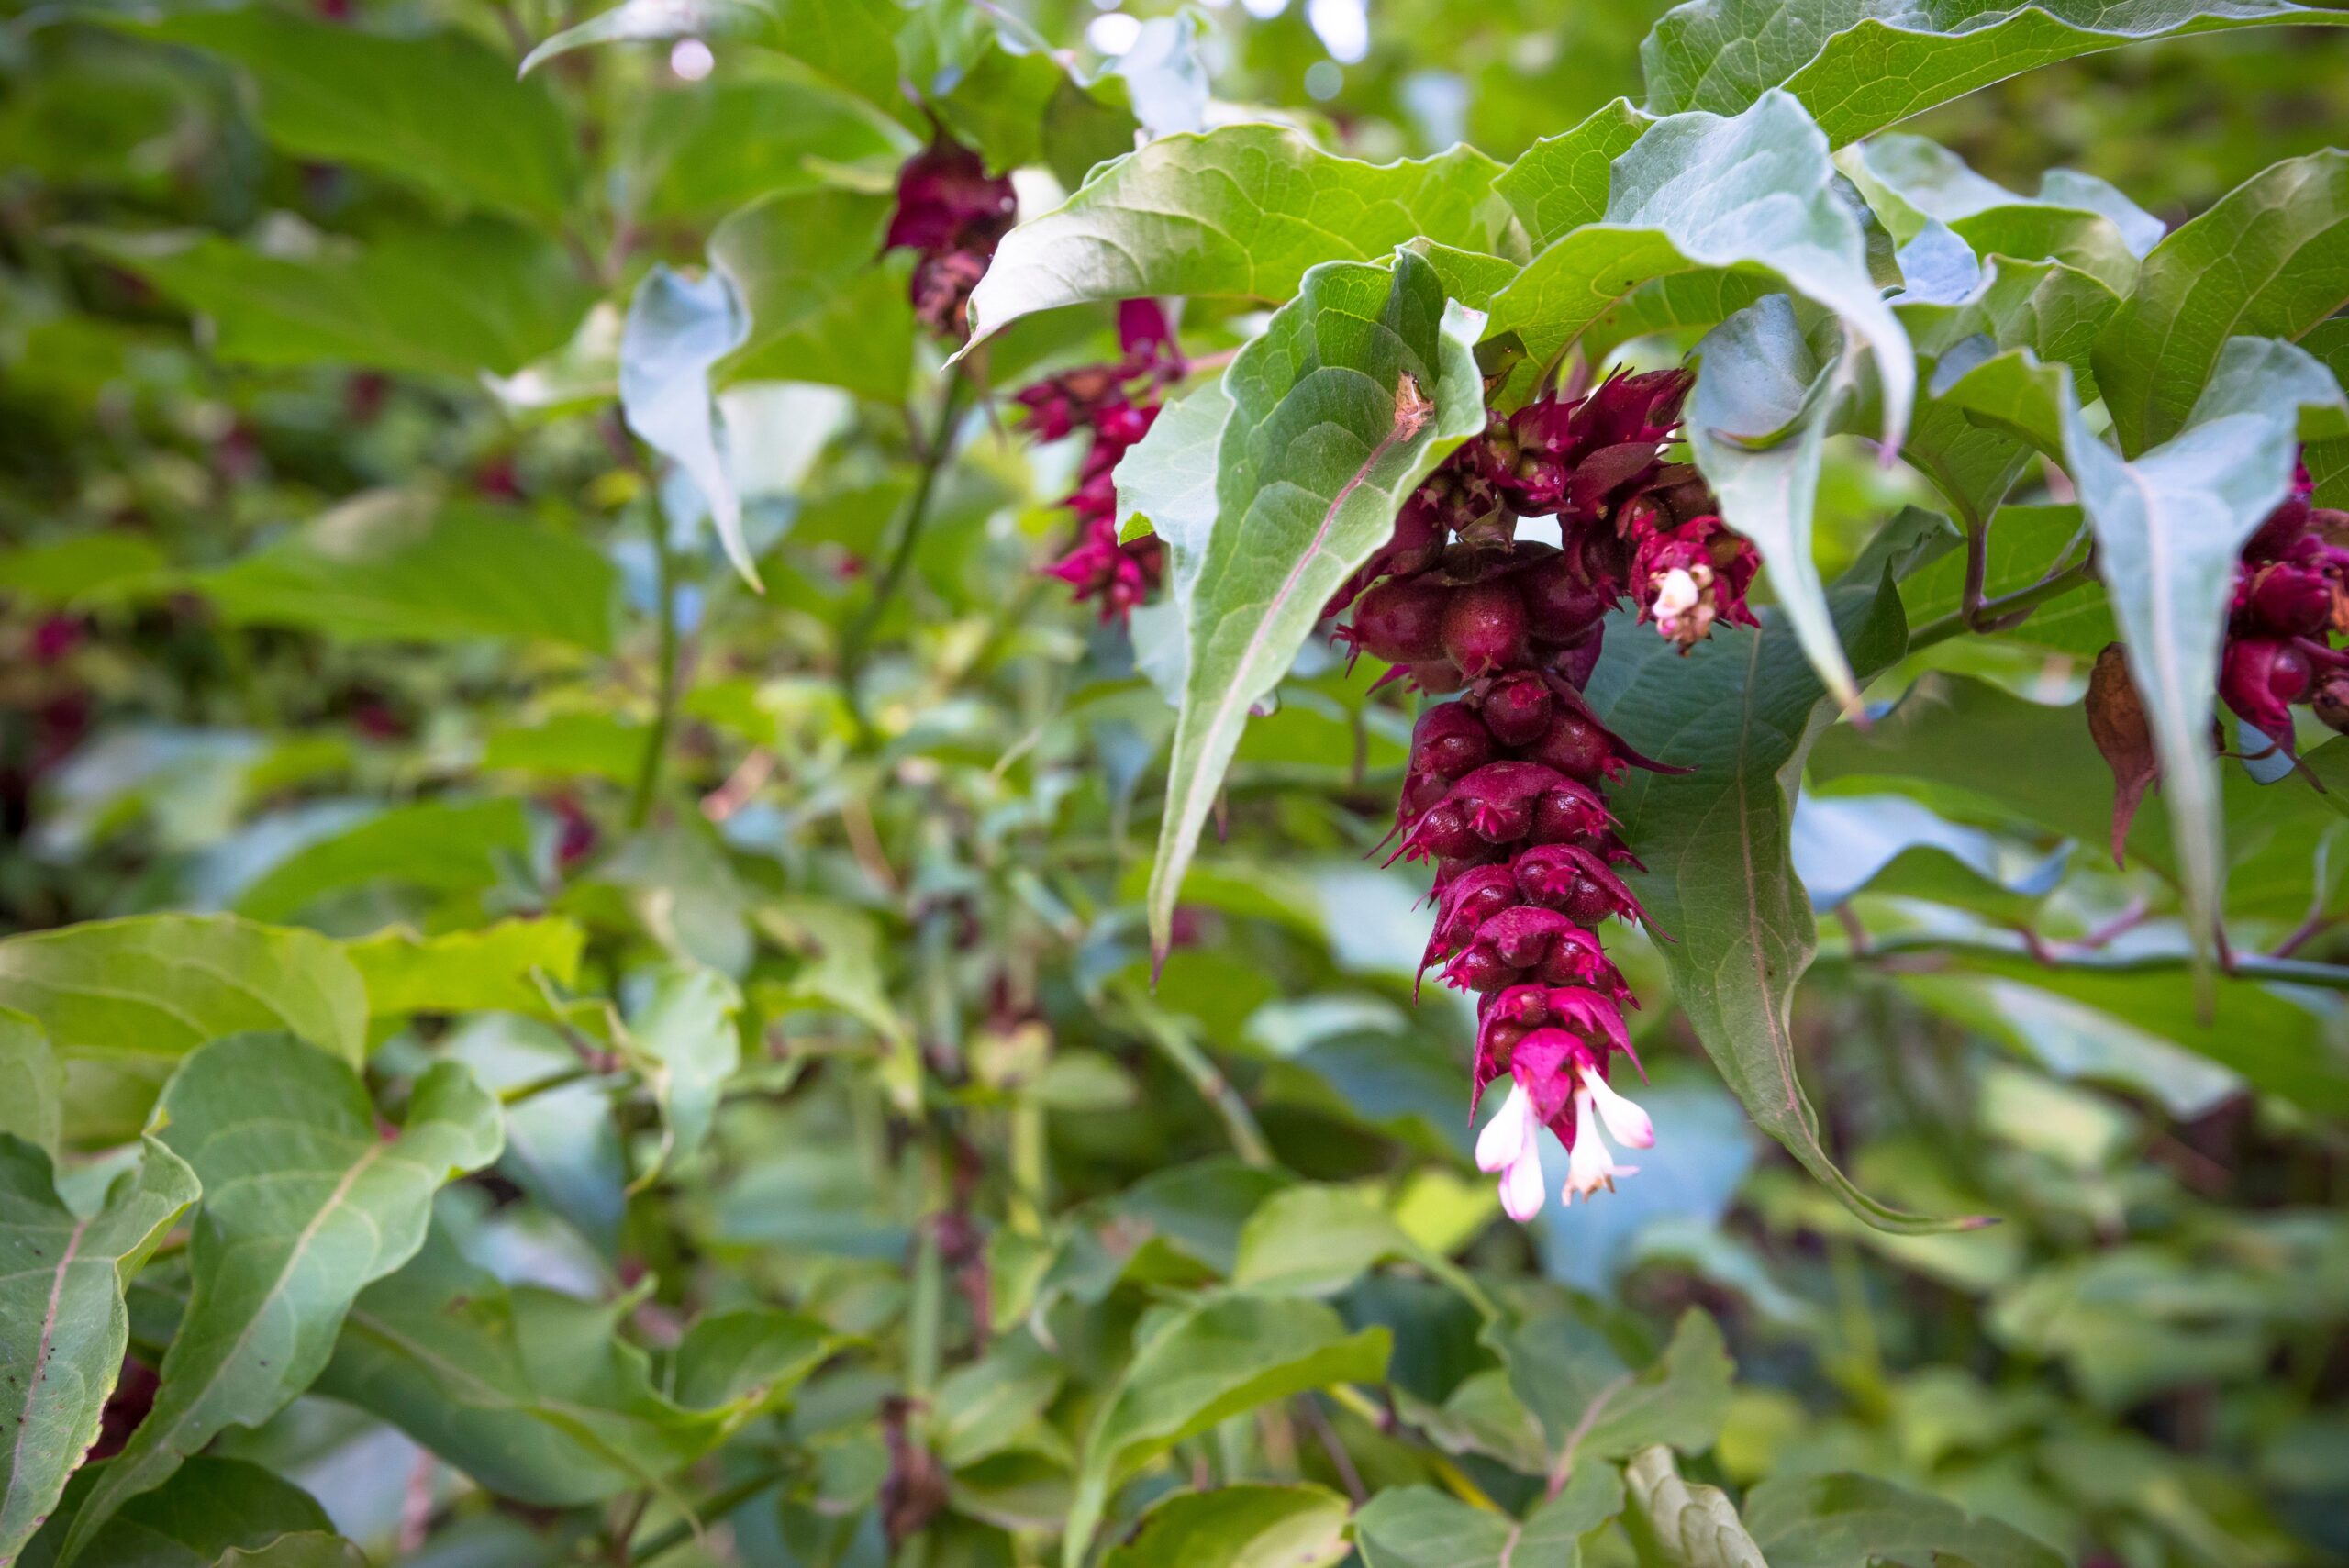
<point>1116,403</point>
<point>2291,596</point>
<point>1504,790</point>
<point>954,212</point>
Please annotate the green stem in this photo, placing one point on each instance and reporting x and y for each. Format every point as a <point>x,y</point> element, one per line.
<point>712,1509</point>
<point>656,744</point>
<point>2014,606</point>
<point>858,638</point>
<point>1239,1121</point>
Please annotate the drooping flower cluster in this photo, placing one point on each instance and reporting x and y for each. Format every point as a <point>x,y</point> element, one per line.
<point>1504,793</point>
<point>954,212</point>
<point>1116,403</point>
<point>2291,596</point>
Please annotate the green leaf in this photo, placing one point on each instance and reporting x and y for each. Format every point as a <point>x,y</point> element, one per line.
<point>684,1044</point>
<point>1238,1526</point>
<point>440,111</point>
<point>123,1001</point>
<point>821,309</point>
<point>536,1395</point>
<point>2169,527</point>
<point>1241,211</point>
<point>211,1508</point>
<point>443,847</point>
<point>1909,181</point>
<point>998,88</point>
<point>1353,393</point>
<point>1213,1360</point>
<point>1709,211</point>
<point>1419,1527</point>
<point>2271,259</point>
<point>1697,1525</point>
<point>406,566</point>
<point>292,1229</point>
<point>1960,735</point>
<point>1738,710</point>
<point>302,1549</point>
<point>851,42</point>
<point>1593,1407</point>
<point>2053,310</point>
<point>466,972</point>
<point>746,135</point>
<point>63,1324</point>
<point>480,295</point>
<point>1862,65</point>
<point>32,1082</point>
<point>678,330</point>
<point>1832,1521</point>
<point>1756,374</point>
<point>1560,183</point>
<point>1317,1241</point>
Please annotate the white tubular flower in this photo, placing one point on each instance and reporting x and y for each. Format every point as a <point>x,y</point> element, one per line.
<point>1508,1145</point>
<point>1625,1122</point>
<point>1590,1165</point>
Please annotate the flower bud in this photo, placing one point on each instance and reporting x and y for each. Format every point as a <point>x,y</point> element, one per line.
<point>2260,679</point>
<point>1578,748</point>
<point>1451,739</point>
<point>1484,629</point>
<point>1516,708</point>
<point>1560,604</point>
<point>1401,620</point>
<point>2290,600</point>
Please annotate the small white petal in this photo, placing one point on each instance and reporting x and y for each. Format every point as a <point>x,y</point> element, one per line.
<point>1589,1163</point>
<point>1624,1120</point>
<point>1509,1137</point>
<point>1521,1188</point>
<point>1676,594</point>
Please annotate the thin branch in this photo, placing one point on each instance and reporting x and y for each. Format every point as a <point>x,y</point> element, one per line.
<point>664,712</point>
<point>2005,613</point>
<point>934,455</point>
<point>1896,949</point>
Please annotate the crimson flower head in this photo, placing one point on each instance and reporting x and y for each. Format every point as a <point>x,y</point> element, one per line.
<point>1693,575</point>
<point>954,213</point>
<point>1121,576</point>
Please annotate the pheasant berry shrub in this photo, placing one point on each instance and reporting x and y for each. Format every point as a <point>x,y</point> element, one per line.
<point>1505,793</point>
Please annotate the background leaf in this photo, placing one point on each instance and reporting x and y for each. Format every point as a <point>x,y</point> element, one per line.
<point>290,1231</point>
<point>124,1001</point>
<point>440,111</point>
<point>1863,64</point>
<point>2271,260</point>
<point>1239,1527</point>
<point>1218,1358</point>
<point>62,1325</point>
